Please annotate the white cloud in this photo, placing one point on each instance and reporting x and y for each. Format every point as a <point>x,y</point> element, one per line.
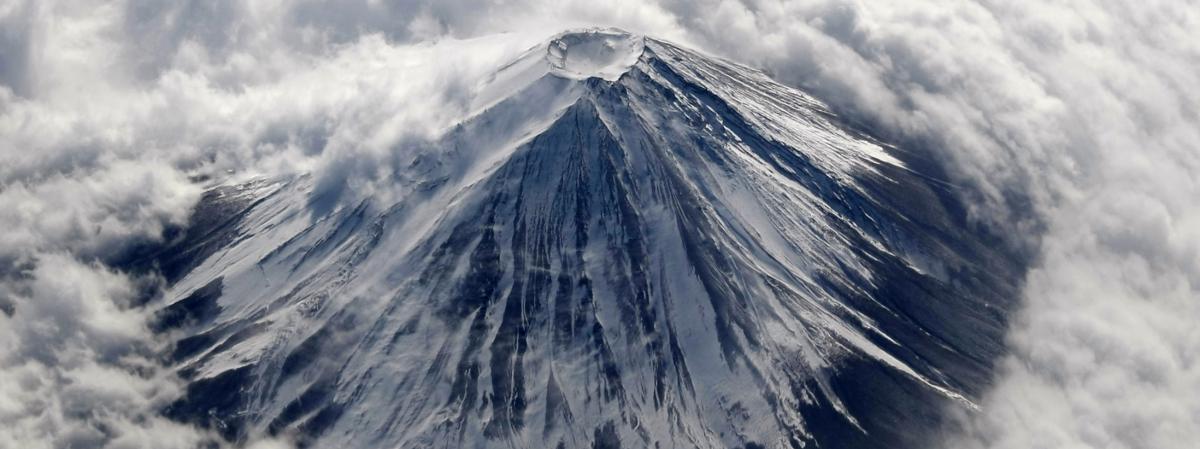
<point>1080,119</point>
<point>75,368</point>
<point>100,140</point>
<point>1071,124</point>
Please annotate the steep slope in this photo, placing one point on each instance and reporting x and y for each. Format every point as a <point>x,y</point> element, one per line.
<point>629,245</point>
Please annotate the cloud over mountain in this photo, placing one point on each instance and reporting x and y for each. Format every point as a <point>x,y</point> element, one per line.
<point>1071,126</point>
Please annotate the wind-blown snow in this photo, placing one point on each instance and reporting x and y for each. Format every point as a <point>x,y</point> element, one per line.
<point>600,53</point>
<point>685,251</point>
<point>1081,111</point>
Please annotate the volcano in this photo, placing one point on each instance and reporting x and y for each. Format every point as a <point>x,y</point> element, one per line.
<point>627,244</point>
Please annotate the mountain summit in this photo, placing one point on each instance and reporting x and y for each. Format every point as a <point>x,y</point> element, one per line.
<point>605,54</point>
<point>628,244</point>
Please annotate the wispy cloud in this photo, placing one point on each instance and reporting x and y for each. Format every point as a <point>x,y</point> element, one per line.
<point>1071,125</point>
<point>1076,124</point>
<point>108,111</point>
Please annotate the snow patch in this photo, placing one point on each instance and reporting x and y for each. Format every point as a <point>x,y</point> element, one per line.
<point>594,53</point>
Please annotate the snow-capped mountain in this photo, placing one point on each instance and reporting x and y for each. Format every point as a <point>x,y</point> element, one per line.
<point>628,244</point>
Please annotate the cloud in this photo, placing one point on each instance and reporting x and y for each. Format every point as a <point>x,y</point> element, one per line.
<point>75,370</point>
<point>1075,121</point>
<point>108,116</point>
<point>1071,127</point>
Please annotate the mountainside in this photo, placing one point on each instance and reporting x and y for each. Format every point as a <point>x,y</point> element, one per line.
<point>629,244</point>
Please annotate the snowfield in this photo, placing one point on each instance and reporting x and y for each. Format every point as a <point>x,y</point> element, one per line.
<point>628,244</point>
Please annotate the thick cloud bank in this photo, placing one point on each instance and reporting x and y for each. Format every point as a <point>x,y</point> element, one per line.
<point>1072,126</point>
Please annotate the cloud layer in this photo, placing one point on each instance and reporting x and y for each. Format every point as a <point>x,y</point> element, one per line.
<point>1072,127</point>
<point>109,113</point>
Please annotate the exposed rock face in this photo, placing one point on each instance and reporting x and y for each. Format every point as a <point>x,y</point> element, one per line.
<point>630,245</point>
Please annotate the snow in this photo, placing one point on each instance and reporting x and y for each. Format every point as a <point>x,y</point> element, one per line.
<point>602,53</point>
<point>684,195</point>
<point>594,53</point>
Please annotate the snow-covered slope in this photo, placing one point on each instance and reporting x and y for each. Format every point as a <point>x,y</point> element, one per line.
<point>628,244</point>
